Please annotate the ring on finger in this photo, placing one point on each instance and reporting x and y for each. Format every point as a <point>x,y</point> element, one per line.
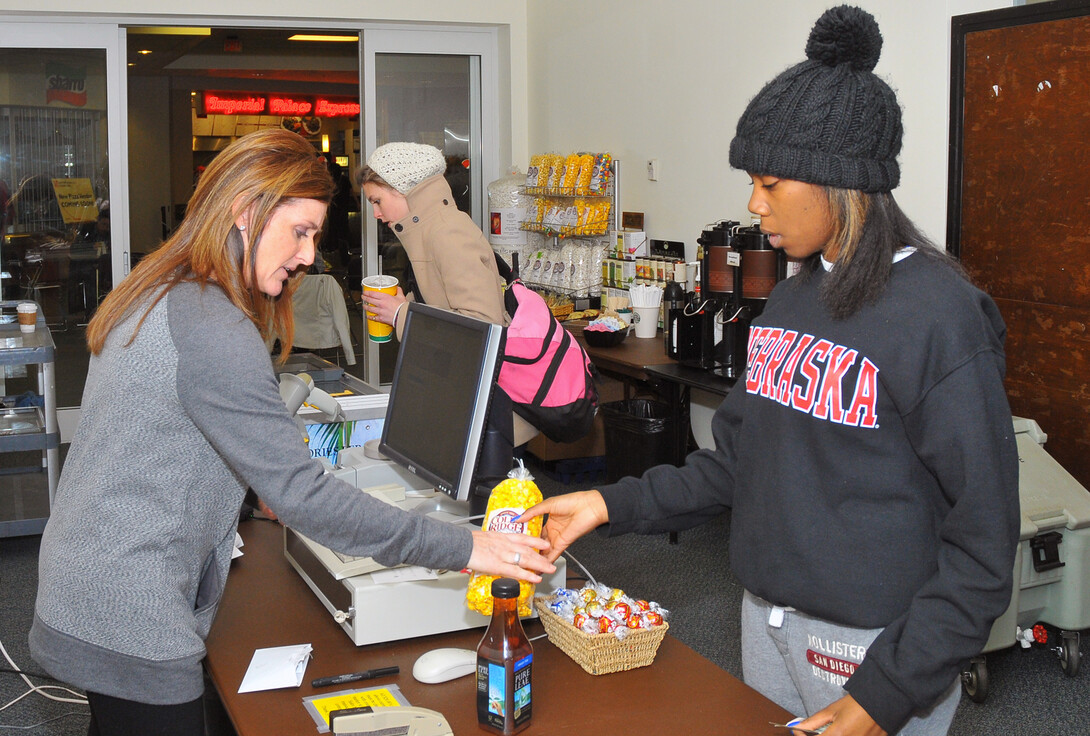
<point>518,556</point>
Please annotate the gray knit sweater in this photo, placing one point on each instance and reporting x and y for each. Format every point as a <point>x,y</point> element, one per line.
<point>174,428</point>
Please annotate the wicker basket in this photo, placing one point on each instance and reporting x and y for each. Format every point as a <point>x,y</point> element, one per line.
<point>561,311</point>
<point>600,654</point>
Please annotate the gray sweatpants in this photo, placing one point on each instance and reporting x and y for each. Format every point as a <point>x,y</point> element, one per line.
<point>801,663</point>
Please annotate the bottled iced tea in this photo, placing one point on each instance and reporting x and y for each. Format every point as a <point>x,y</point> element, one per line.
<point>504,665</point>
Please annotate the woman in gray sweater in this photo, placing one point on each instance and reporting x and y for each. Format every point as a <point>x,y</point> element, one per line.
<point>181,414</point>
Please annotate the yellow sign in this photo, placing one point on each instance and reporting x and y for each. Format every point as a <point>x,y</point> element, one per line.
<point>76,199</point>
<point>376,697</point>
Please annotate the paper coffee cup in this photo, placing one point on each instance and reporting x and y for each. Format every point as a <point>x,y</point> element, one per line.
<point>646,320</point>
<point>379,331</point>
<point>28,316</point>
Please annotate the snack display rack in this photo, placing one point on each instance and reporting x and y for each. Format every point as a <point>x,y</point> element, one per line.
<point>577,215</point>
<point>576,222</point>
<point>573,196</point>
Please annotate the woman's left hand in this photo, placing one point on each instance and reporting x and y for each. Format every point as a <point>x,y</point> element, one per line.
<point>382,307</point>
<point>516,556</point>
<point>845,717</point>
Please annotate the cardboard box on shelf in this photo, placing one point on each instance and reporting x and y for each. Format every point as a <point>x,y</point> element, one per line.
<point>594,444</point>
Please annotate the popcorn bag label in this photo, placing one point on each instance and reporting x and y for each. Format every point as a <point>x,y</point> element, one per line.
<point>503,520</point>
<point>505,226</point>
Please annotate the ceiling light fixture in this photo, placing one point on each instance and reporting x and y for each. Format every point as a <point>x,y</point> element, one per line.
<point>315,37</point>
<point>169,31</point>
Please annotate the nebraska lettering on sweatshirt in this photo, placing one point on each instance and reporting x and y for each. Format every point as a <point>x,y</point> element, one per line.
<point>812,376</point>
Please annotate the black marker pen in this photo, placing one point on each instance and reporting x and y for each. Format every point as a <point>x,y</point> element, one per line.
<point>355,676</point>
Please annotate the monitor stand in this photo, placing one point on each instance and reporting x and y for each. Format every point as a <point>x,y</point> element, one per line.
<point>497,451</point>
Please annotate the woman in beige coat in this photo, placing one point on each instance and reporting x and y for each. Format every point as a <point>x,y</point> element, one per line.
<point>452,261</point>
<point>451,258</point>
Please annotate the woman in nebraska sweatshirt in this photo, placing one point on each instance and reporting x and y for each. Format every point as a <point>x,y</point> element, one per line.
<point>867,454</point>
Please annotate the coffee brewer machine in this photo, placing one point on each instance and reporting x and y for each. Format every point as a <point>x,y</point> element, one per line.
<point>738,270</point>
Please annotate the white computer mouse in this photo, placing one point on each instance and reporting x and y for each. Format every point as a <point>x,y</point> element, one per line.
<point>440,665</point>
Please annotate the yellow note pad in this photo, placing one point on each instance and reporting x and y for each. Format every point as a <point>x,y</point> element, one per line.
<point>320,706</point>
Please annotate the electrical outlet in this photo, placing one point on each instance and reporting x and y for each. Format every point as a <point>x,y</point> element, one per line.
<point>653,169</point>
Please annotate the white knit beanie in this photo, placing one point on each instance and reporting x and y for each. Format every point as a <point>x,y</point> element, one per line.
<point>404,165</point>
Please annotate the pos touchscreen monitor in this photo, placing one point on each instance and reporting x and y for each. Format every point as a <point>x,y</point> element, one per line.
<point>438,411</point>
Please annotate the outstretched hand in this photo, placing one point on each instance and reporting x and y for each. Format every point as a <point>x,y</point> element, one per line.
<point>845,717</point>
<point>570,516</point>
<point>510,555</point>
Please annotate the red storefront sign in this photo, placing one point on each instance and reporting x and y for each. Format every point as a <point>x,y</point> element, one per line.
<point>235,103</point>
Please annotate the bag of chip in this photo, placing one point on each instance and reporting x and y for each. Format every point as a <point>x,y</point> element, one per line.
<point>508,500</point>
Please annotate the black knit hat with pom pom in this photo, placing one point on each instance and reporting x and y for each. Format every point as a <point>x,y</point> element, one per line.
<point>828,120</point>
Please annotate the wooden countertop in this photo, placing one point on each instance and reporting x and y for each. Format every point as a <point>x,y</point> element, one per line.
<point>267,604</point>
<point>628,358</point>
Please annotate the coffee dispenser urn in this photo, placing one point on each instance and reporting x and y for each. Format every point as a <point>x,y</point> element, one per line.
<point>738,271</point>
<point>673,302</point>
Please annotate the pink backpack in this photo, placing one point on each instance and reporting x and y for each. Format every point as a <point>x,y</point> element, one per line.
<point>545,371</point>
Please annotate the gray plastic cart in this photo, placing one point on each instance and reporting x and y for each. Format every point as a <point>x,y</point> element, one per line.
<point>1052,567</point>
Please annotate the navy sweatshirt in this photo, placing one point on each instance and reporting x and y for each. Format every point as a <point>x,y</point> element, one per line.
<point>872,472</point>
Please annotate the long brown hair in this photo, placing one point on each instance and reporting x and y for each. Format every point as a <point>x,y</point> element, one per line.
<point>257,173</point>
<point>868,230</point>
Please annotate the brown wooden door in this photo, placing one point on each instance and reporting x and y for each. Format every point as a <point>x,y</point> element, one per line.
<point>1020,205</point>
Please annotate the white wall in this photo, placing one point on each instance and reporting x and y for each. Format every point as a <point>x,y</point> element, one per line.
<point>650,80</point>
<point>645,79</point>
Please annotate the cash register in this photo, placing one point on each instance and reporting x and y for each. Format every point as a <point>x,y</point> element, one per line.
<point>445,442</point>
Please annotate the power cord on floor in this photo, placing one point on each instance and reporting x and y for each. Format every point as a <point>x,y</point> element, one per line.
<point>42,723</point>
<point>79,699</point>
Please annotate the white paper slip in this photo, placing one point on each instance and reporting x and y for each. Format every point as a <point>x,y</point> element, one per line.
<point>348,403</point>
<point>238,546</point>
<point>275,668</point>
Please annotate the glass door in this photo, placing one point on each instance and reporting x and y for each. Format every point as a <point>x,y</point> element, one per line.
<point>62,85</point>
<point>434,87</point>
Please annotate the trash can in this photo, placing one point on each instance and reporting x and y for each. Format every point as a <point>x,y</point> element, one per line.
<point>639,434</point>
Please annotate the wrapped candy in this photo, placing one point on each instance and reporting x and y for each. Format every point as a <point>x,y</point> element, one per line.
<point>599,609</point>
<point>620,608</point>
<point>600,175</point>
